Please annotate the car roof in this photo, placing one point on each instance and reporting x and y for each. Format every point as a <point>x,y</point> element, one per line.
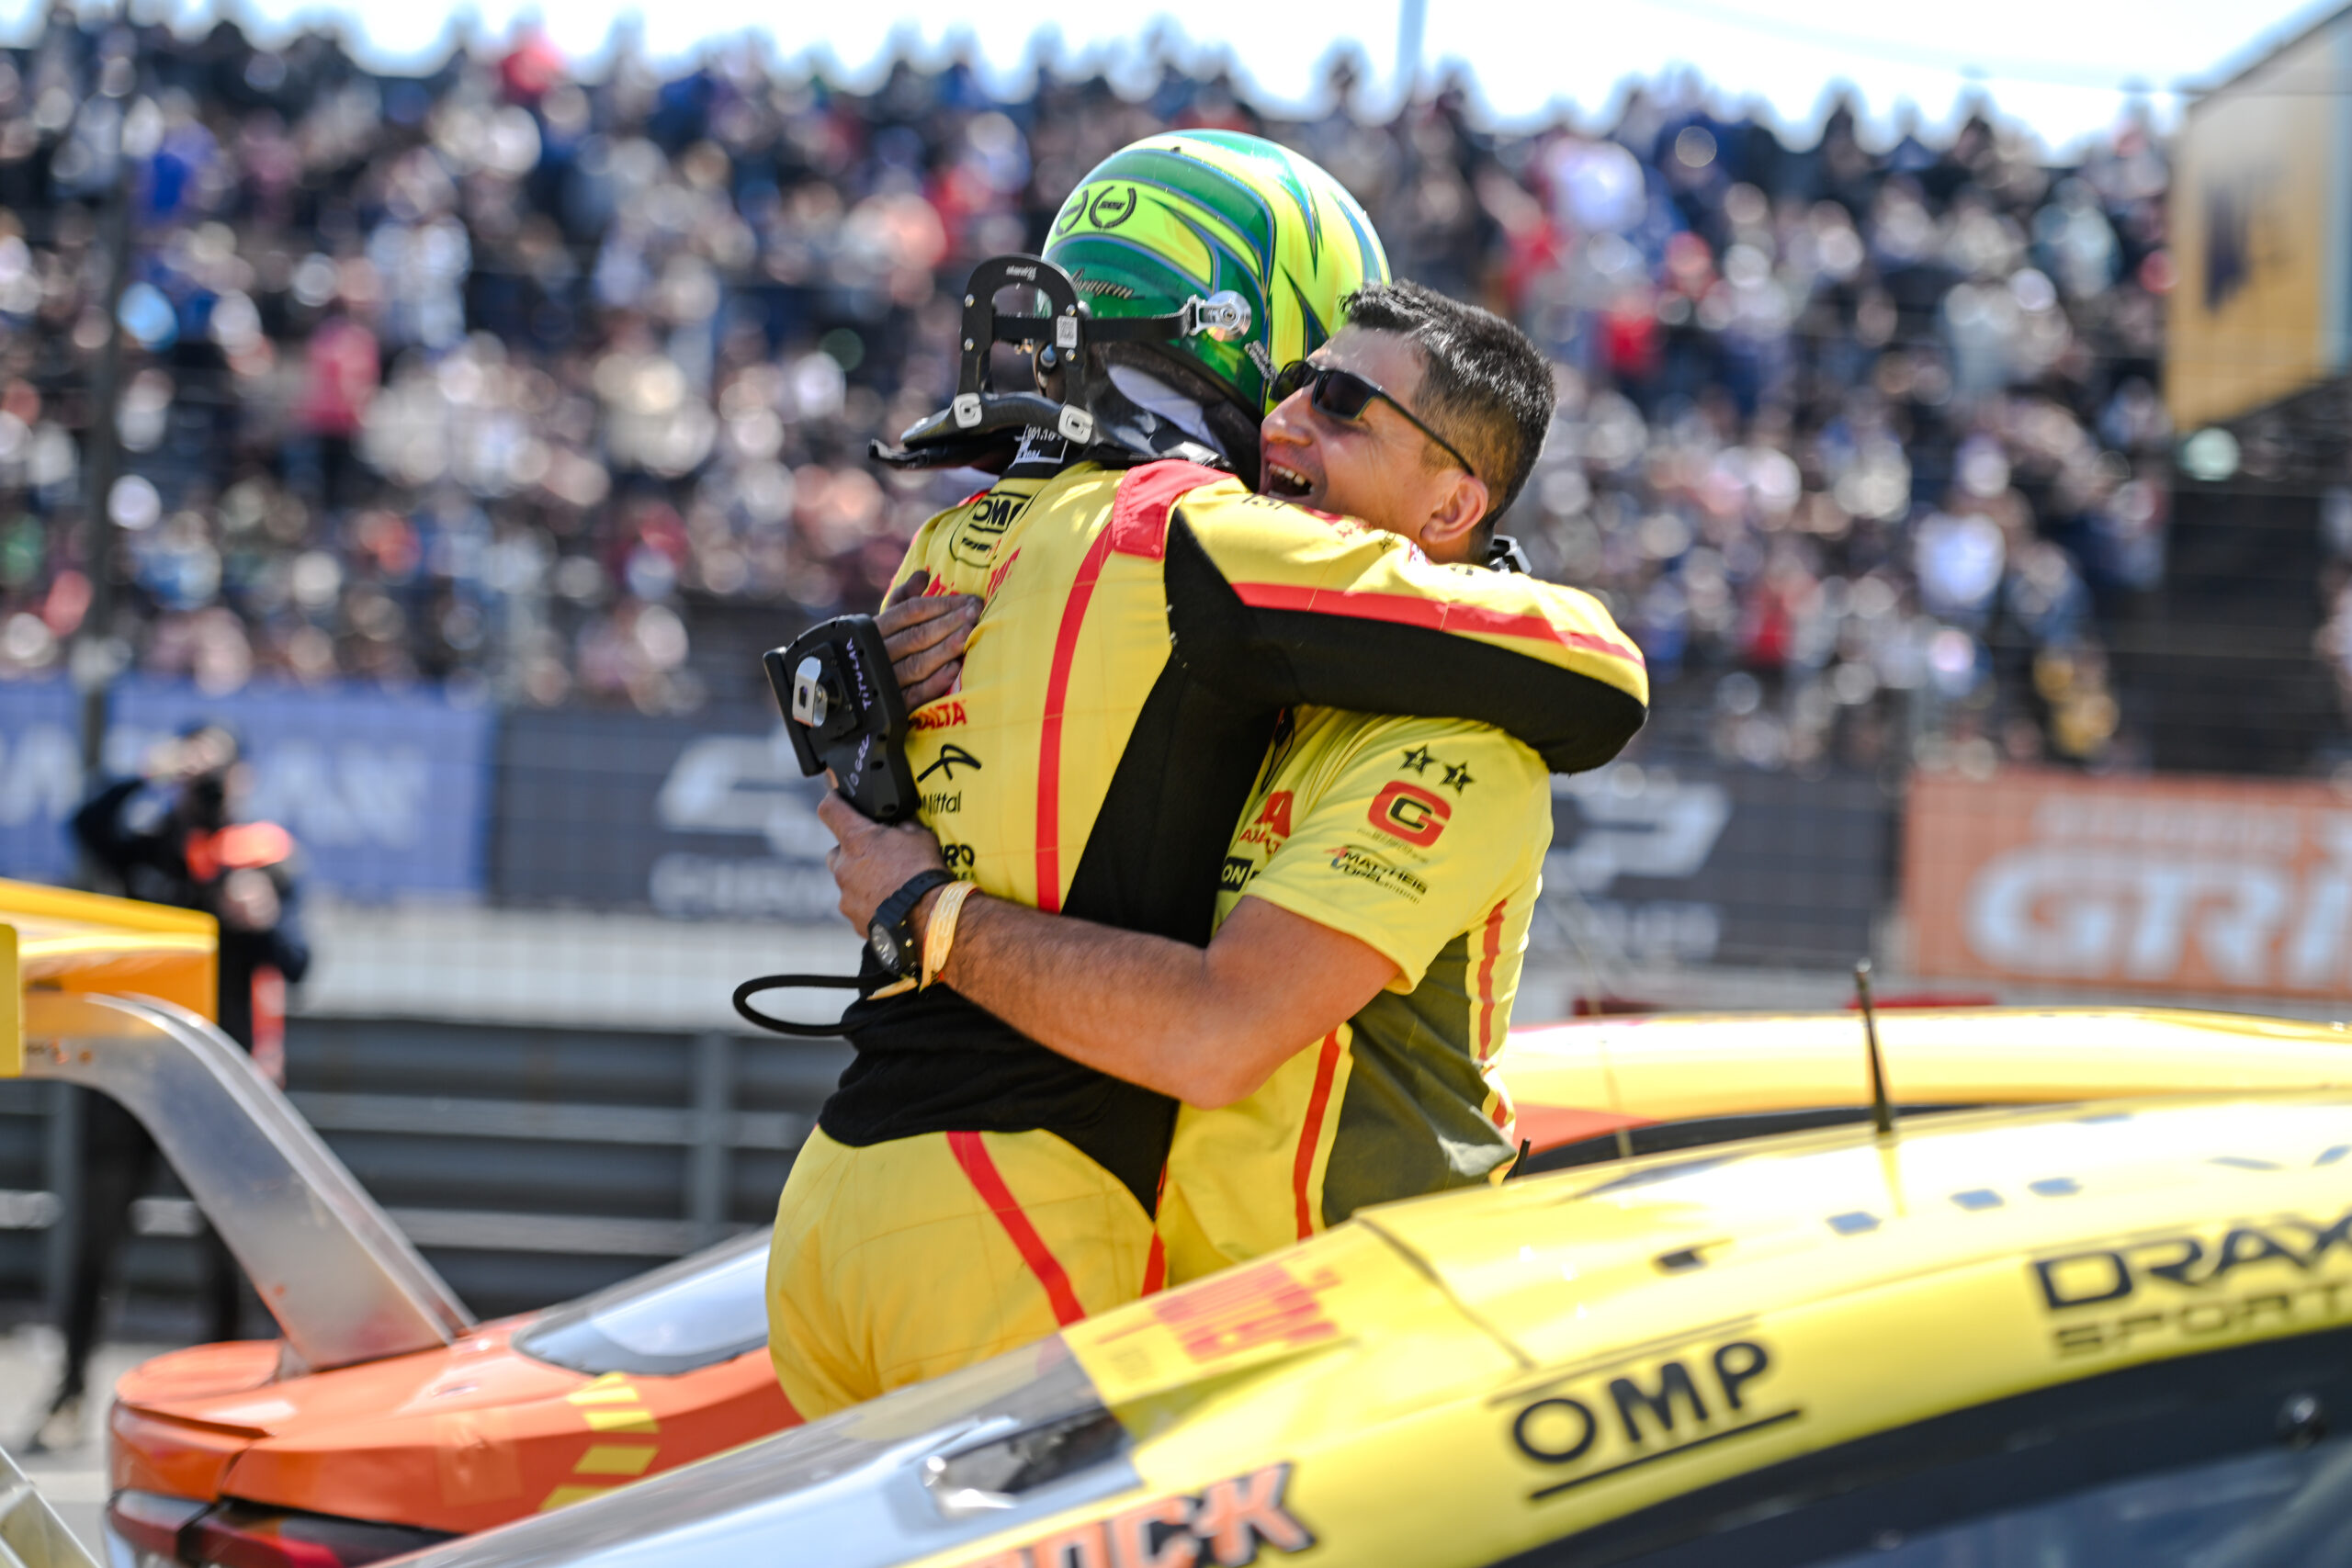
<point>1774,1223</point>
<point>1662,1067</point>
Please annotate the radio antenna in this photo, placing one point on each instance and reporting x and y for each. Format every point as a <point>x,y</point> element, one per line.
<point>1881,1109</point>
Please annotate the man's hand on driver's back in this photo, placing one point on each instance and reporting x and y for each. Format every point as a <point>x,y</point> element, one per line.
<point>926,637</point>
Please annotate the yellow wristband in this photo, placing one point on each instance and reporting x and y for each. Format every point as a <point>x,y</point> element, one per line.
<point>939,935</point>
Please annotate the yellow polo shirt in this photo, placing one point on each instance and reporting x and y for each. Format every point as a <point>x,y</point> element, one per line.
<point>1425,840</point>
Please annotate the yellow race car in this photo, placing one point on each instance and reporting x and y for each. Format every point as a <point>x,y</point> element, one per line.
<point>361,1314</point>
<point>215,1447</point>
<point>2118,1335</point>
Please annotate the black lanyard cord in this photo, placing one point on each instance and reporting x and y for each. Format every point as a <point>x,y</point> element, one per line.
<point>754,987</point>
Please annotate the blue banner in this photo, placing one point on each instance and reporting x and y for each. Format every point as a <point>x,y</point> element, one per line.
<point>40,778</point>
<point>387,794</point>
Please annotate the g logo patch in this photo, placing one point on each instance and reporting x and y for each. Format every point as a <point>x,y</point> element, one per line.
<point>1406,811</point>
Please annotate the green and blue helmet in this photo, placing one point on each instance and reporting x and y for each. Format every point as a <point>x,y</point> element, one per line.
<point>1213,216</point>
<point>1206,258</point>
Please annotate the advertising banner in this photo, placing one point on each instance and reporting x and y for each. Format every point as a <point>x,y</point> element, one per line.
<point>40,777</point>
<point>387,795</point>
<point>1719,867</point>
<point>709,818</point>
<point>2258,309</point>
<point>2189,885</point>
<point>701,818</point>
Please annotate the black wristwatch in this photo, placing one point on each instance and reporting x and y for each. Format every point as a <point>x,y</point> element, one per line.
<point>891,933</point>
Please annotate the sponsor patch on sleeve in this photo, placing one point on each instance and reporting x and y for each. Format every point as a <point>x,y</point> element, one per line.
<point>1366,866</point>
<point>1405,810</point>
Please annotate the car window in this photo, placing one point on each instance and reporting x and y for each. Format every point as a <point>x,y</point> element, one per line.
<point>2279,1509</point>
<point>699,1310</point>
<point>2219,1460</point>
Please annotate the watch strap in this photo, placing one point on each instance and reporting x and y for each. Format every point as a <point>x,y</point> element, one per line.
<point>897,914</point>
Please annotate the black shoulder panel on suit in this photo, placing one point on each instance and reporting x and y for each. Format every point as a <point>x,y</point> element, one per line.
<point>1281,657</point>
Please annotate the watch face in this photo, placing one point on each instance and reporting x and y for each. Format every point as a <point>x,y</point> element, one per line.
<point>885,945</point>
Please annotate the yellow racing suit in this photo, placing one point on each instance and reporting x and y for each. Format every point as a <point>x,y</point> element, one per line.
<point>1144,630</point>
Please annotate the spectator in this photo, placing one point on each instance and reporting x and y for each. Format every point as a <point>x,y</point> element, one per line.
<point>558,389</point>
<point>340,373</point>
<point>171,838</point>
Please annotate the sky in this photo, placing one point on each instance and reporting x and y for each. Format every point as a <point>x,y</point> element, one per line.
<point>2064,68</point>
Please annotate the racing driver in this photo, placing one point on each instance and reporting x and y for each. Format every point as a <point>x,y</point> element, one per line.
<point>1146,621</point>
<point>1393,862</point>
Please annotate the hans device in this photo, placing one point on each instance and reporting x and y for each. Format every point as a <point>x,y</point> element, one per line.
<point>843,710</point>
<point>983,427</point>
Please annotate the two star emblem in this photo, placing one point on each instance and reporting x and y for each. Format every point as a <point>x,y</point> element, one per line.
<point>1457,778</point>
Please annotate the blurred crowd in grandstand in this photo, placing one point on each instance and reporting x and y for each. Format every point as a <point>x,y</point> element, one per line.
<point>518,382</point>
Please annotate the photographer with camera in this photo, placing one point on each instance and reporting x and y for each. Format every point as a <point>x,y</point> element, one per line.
<point>170,836</point>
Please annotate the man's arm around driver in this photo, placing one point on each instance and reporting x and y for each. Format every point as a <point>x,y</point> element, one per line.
<point>1384,874</point>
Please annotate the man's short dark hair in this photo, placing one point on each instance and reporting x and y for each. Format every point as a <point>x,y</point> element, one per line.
<point>1485,385</point>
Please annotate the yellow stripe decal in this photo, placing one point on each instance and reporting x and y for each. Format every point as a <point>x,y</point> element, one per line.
<point>615,1458</point>
<point>636,1420</point>
<point>610,1388</point>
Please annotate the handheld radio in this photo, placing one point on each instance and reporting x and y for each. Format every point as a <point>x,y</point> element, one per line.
<point>843,710</point>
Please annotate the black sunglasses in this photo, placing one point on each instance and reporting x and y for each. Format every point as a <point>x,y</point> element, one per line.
<point>1344,395</point>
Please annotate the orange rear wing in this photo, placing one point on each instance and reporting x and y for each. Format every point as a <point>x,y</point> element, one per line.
<point>12,1008</point>
<point>59,939</point>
